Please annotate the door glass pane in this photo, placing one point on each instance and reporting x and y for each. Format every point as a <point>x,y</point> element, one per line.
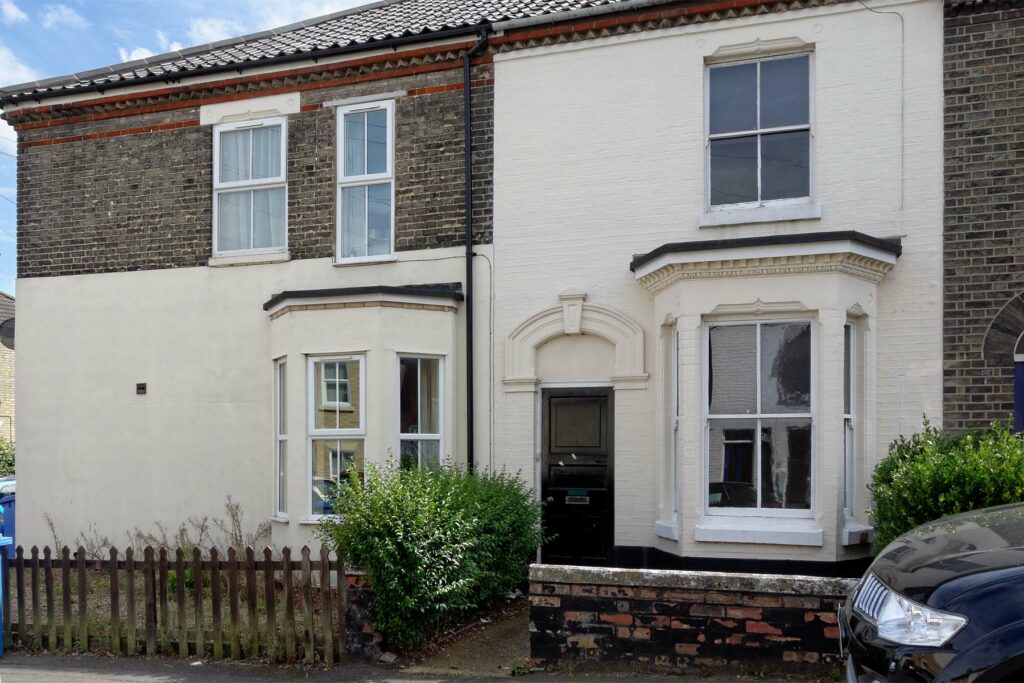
<point>732,374</point>
<point>786,165</point>
<point>376,141</point>
<point>353,221</point>
<point>784,92</point>
<point>734,170</point>
<point>785,368</point>
<point>379,219</point>
<point>786,464</point>
<point>733,95</point>
<point>355,144</point>
<point>234,155</point>
<point>268,218</point>
<point>347,456</point>
<point>266,152</point>
<point>337,402</point>
<point>732,468</point>
<point>234,220</point>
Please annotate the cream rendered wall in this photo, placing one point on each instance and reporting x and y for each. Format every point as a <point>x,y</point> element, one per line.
<point>599,155</point>
<point>202,342</point>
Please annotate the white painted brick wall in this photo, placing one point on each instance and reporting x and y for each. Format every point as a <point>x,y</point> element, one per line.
<point>599,156</point>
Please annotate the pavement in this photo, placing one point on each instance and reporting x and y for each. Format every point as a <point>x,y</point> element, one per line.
<point>497,650</point>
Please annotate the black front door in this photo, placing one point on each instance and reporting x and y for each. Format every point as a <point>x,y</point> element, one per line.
<point>576,475</point>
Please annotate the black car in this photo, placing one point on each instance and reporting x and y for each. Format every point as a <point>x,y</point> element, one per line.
<point>944,602</point>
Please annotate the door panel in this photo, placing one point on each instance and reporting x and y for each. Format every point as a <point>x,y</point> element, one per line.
<point>576,473</point>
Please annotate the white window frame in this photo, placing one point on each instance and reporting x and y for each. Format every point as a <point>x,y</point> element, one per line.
<point>344,181</point>
<point>439,437</point>
<point>757,417</point>
<point>337,405</point>
<point>281,437</point>
<point>849,419</point>
<point>320,434</point>
<point>258,184</point>
<point>759,132</point>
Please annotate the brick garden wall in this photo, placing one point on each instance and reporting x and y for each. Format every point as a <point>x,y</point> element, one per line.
<point>984,210</point>
<point>681,618</point>
<point>141,196</point>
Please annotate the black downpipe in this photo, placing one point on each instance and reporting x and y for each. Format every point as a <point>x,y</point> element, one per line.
<point>467,123</point>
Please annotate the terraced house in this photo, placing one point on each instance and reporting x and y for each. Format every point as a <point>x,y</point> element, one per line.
<point>677,263</point>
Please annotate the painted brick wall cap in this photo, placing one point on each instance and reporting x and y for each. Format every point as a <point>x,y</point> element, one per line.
<point>692,580</point>
<point>890,245</point>
<point>445,290</point>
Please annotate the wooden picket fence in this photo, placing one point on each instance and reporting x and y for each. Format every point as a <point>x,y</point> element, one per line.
<point>241,606</point>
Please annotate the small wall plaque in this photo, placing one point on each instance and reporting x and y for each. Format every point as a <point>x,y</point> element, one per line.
<point>140,388</point>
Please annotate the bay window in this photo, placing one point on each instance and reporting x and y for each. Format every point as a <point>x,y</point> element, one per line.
<point>419,410</point>
<point>250,203</point>
<point>759,132</point>
<point>759,418</point>
<point>366,181</point>
<point>337,426</point>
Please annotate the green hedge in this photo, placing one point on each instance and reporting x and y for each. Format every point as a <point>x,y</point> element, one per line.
<point>935,473</point>
<point>436,544</point>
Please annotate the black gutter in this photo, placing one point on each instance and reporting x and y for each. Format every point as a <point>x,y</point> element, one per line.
<point>467,124</point>
<point>240,67</point>
<point>445,290</point>
<point>891,245</point>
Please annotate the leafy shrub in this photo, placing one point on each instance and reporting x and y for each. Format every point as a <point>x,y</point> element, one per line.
<point>436,544</point>
<point>6,457</point>
<point>936,473</point>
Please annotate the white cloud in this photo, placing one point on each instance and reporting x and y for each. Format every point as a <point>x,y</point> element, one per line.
<point>134,53</point>
<point>210,30</point>
<point>11,13</point>
<point>7,142</point>
<point>166,44</point>
<point>12,72</point>
<point>62,15</point>
<point>273,13</point>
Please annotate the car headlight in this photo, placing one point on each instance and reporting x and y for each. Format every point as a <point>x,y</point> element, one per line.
<point>906,622</point>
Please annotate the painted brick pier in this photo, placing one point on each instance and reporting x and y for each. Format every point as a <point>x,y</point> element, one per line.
<point>681,618</point>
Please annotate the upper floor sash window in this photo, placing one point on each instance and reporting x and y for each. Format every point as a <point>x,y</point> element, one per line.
<point>366,187</point>
<point>759,132</point>
<point>250,186</point>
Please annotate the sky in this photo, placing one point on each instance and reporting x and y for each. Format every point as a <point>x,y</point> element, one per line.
<point>42,38</point>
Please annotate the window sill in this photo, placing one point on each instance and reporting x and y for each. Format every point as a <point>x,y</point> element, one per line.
<point>855,533</point>
<point>249,259</point>
<point>760,214</point>
<point>761,530</point>
<point>363,261</point>
<point>279,519</point>
<point>666,529</point>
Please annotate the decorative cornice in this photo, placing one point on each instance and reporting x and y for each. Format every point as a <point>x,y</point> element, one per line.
<point>681,16</point>
<point>859,266</point>
<point>759,307</point>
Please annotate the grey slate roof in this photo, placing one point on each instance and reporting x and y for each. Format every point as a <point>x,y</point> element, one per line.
<point>365,25</point>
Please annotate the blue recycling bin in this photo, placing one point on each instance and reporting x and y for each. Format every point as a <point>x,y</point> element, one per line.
<point>4,541</point>
<point>7,524</point>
